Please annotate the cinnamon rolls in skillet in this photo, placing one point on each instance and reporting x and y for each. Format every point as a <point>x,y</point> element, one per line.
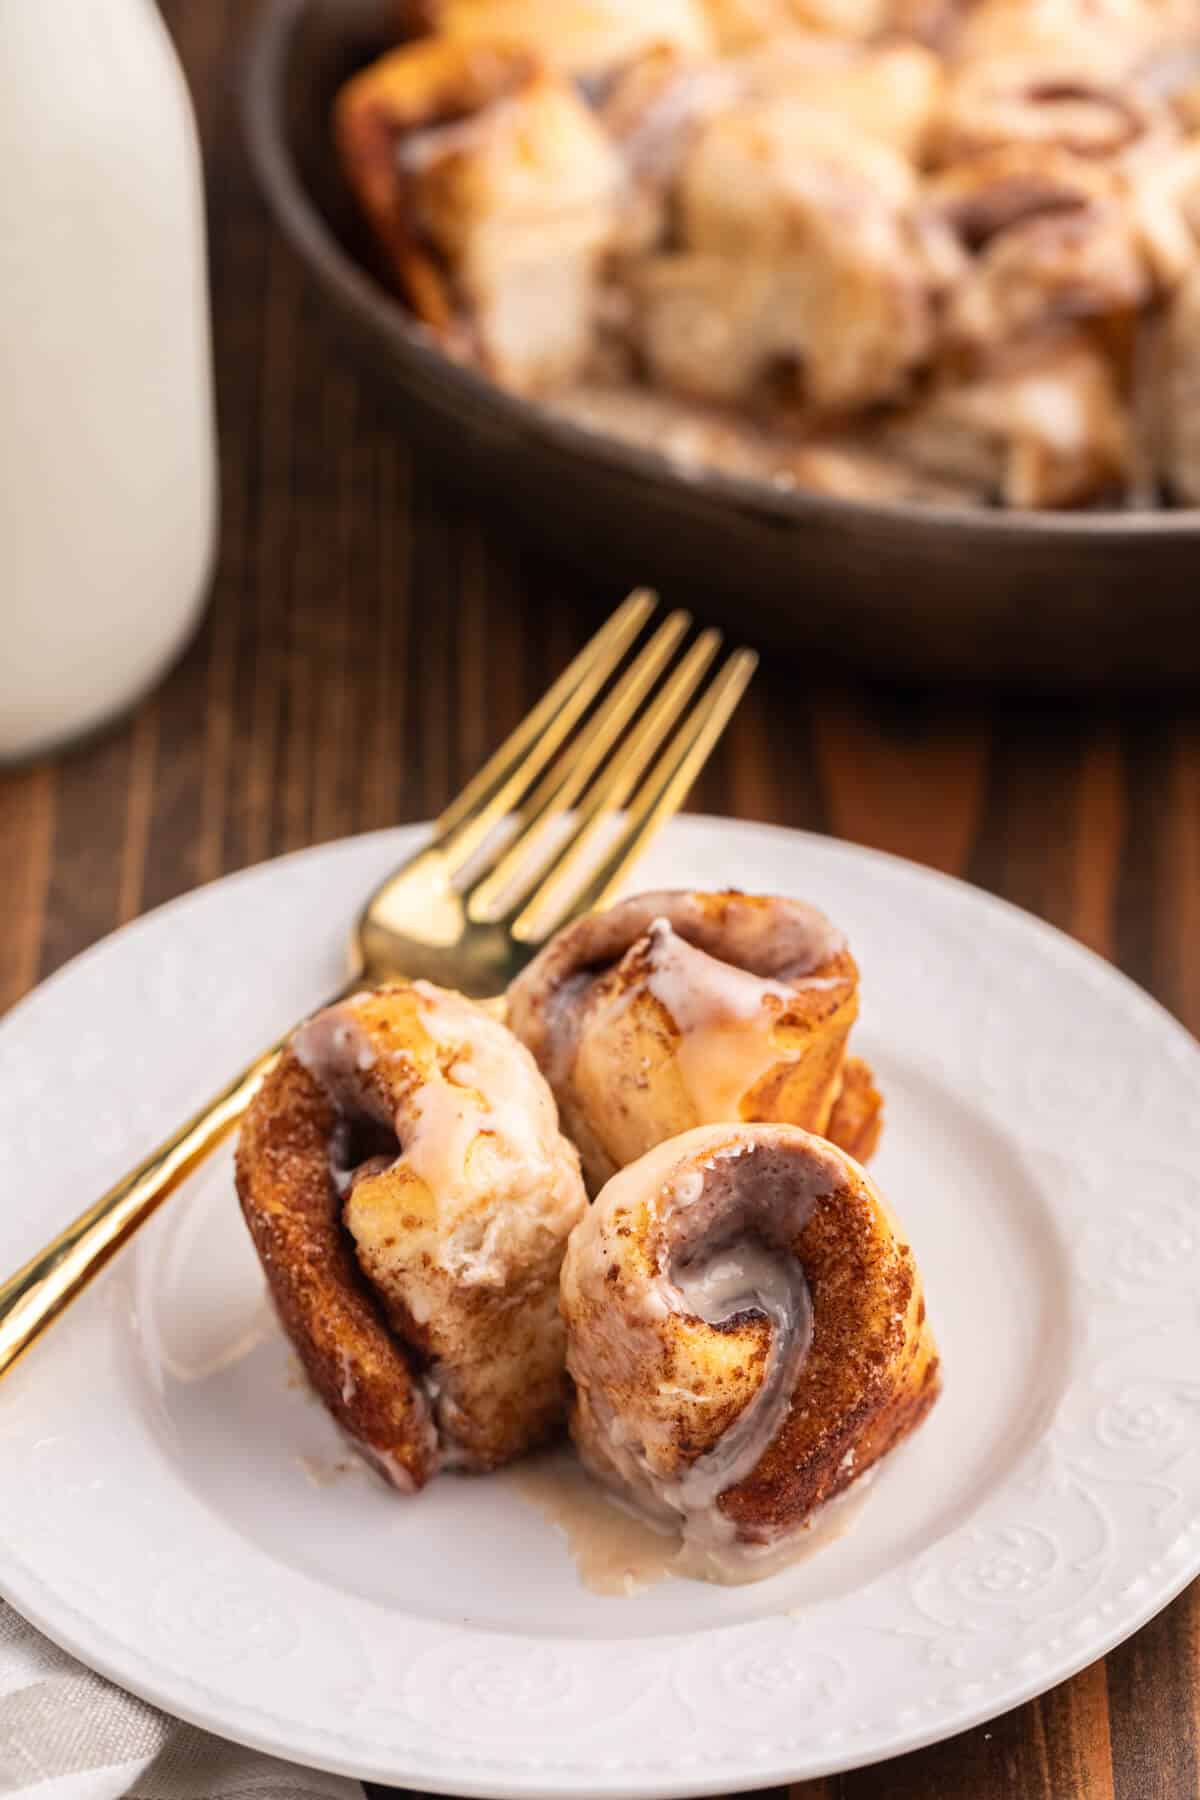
<point>673,1010</point>
<point>410,1196</point>
<point>918,250</point>
<point>746,1333</point>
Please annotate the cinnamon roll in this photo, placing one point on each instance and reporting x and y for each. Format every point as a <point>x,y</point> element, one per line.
<point>491,190</point>
<point>747,1336</point>
<point>679,1009</point>
<point>799,267</point>
<point>410,1196</point>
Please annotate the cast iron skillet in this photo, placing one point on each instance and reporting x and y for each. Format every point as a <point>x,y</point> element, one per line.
<point>1065,600</point>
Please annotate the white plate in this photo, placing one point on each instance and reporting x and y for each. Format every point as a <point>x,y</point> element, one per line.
<point>159,1514</point>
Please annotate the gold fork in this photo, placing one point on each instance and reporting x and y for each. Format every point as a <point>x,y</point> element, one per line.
<point>460,912</point>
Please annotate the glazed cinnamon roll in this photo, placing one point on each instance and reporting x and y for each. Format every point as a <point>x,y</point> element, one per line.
<point>491,191</point>
<point>746,1333</point>
<point>798,271</point>
<point>410,1196</point>
<point>680,1009</point>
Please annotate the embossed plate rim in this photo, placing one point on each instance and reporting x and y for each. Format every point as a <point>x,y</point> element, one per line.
<point>390,1730</point>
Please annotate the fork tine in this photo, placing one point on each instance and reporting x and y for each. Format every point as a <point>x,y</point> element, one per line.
<point>617,782</point>
<point>661,794</point>
<point>524,754</point>
<point>673,778</point>
<point>563,783</point>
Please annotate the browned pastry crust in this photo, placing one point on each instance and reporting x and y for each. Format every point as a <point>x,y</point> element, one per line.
<point>676,1009</point>
<point>700,1395</point>
<point>365,1377</point>
<point>410,1196</point>
<point>872,1372</point>
<point>856,1122</point>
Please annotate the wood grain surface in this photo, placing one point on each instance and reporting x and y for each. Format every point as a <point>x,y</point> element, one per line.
<point>371,636</point>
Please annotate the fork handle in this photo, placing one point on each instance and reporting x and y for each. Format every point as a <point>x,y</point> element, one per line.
<point>50,1280</point>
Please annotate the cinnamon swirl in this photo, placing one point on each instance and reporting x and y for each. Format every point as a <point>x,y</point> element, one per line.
<point>747,1336</point>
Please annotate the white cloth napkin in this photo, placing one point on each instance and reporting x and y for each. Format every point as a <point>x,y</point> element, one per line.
<point>66,1734</point>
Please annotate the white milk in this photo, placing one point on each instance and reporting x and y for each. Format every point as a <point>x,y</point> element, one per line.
<point>107,465</point>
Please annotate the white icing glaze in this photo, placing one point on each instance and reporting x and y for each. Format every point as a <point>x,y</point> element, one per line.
<point>736,1276</point>
<point>335,1050</point>
<point>618,1554</point>
<point>726,963</point>
<point>697,988</point>
<point>725,1016</point>
<point>323,1472</point>
<point>481,1115</point>
<point>388,1466</point>
<point>739,1275</point>
<point>734,1270</point>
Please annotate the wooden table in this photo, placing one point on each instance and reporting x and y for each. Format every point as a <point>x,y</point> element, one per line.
<point>369,639</point>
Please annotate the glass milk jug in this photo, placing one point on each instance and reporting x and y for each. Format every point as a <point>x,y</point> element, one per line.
<point>107,457</point>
